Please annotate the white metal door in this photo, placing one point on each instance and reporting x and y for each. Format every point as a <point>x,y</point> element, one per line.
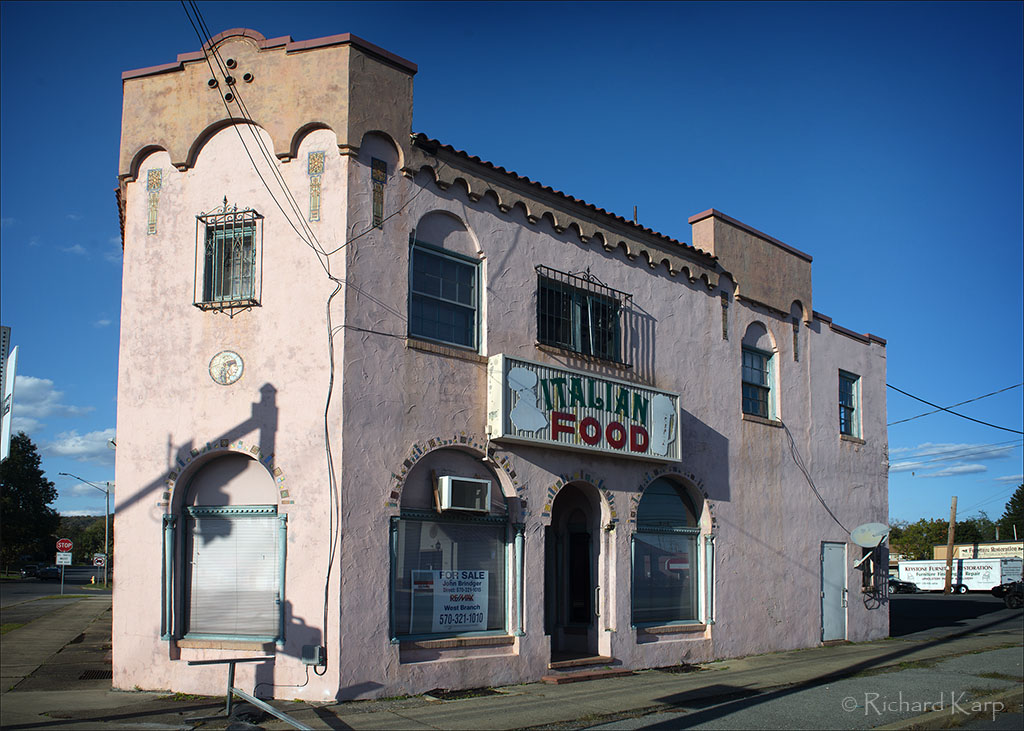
<point>833,591</point>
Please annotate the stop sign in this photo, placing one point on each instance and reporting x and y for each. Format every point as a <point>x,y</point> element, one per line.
<point>64,544</point>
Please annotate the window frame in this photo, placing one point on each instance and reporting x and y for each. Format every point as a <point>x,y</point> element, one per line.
<point>576,330</point>
<point>766,387</point>
<point>473,264</point>
<point>243,289</point>
<point>511,560</point>
<point>177,571</point>
<point>701,562</point>
<point>850,413</point>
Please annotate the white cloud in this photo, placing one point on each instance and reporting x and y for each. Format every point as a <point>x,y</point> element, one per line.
<point>114,253</point>
<point>1011,479</point>
<point>948,459</point>
<point>74,217</point>
<point>80,489</point>
<point>35,399</point>
<point>5,222</point>
<point>101,323</point>
<point>82,513</point>
<point>76,249</point>
<point>91,447</point>
<point>957,470</point>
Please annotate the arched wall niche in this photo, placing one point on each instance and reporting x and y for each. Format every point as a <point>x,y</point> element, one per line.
<point>758,336</point>
<point>446,230</point>
<point>300,136</point>
<point>231,479</point>
<point>418,490</point>
<point>210,132</point>
<point>380,145</point>
<point>142,157</point>
<point>188,465</point>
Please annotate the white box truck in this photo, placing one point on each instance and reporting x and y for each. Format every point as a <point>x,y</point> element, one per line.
<point>969,574</point>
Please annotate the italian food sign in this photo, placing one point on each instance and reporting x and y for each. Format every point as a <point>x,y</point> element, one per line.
<point>534,403</point>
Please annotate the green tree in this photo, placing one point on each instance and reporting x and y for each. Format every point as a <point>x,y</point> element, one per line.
<point>1013,516</point>
<point>27,521</point>
<point>915,541</point>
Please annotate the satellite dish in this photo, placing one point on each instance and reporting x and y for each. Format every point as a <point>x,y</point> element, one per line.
<point>869,535</point>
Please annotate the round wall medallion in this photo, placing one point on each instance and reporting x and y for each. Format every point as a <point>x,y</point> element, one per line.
<point>226,367</point>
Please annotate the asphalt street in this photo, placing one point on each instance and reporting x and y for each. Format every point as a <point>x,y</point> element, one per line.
<point>953,654</point>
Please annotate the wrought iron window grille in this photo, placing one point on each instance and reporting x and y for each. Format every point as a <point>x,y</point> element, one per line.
<point>576,311</point>
<point>229,259</point>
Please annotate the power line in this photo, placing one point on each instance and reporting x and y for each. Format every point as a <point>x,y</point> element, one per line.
<point>943,408</point>
<point>963,452</point>
<point>977,398</point>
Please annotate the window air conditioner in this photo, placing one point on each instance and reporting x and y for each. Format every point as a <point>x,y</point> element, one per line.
<point>464,493</point>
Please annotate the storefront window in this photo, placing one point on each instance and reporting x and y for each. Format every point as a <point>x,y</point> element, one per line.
<point>665,558</point>
<point>448,575</point>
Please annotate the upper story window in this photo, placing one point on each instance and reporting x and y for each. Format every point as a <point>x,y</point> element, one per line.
<point>578,313</point>
<point>849,404</point>
<point>757,379</point>
<point>443,296</point>
<point>228,242</point>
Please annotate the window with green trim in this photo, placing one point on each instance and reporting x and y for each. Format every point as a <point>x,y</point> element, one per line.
<point>665,556</point>
<point>443,296</point>
<point>757,379</point>
<point>849,404</point>
<point>449,575</point>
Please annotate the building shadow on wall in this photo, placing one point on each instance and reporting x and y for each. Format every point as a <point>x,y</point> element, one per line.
<point>262,422</point>
<point>705,457</point>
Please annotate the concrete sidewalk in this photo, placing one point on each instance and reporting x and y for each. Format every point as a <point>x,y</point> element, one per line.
<point>53,678</point>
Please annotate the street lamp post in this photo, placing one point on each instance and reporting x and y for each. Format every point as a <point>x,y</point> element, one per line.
<point>106,521</point>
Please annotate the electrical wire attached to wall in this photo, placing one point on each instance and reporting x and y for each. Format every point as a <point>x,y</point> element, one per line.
<point>807,475</point>
<point>305,234</point>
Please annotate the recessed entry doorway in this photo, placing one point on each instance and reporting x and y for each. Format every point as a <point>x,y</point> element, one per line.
<point>571,586</point>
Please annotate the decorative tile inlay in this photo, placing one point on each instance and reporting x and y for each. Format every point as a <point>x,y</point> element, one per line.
<point>653,474</point>
<point>379,175</point>
<point>315,170</point>
<point>227,446</point>
<point>581,476</point>
<point>154,182</point>
<point>462,439</point>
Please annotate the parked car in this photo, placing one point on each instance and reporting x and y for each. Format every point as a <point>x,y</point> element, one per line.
<point>1000,591</point>
<point>49,573</point>
<point>901,587</point>
<point>1013,597</point>
<point>30,570</point>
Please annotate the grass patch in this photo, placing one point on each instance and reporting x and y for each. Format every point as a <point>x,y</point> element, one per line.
<point>453,695</point>
<point>999,676</point>
<point>64,596</point>
<point>183,697</point>
<point>5,628</point>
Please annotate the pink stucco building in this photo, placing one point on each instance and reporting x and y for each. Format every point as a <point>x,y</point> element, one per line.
<point>458,429</point>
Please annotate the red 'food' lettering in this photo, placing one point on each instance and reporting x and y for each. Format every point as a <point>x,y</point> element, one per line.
<point>615,433</point>
<point>638,439</point>
<point>590,430</point>
<point>561,423</point>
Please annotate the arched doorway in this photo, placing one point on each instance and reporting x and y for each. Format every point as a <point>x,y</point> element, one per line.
<point>571,586</point>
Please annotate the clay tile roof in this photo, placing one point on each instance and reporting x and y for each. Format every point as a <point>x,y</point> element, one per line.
<point>431,145</point>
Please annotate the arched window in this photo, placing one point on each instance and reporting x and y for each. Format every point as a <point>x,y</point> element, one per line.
<point>758,373</point>
<point>665,556</point>
<point>450,550</point>
<point>227,579</point>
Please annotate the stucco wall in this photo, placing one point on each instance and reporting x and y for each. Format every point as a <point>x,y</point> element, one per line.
<point>395,399</point>
<point>168,405</point>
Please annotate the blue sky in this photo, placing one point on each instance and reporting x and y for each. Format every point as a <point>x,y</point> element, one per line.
<point>883,139</point>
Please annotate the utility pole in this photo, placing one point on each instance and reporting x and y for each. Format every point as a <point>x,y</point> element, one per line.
<point>949,547</point>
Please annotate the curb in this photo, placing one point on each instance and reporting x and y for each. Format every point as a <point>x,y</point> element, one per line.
<point>1009,700</point>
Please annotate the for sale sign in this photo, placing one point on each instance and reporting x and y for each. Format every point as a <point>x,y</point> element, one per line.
<point>460,601</point>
